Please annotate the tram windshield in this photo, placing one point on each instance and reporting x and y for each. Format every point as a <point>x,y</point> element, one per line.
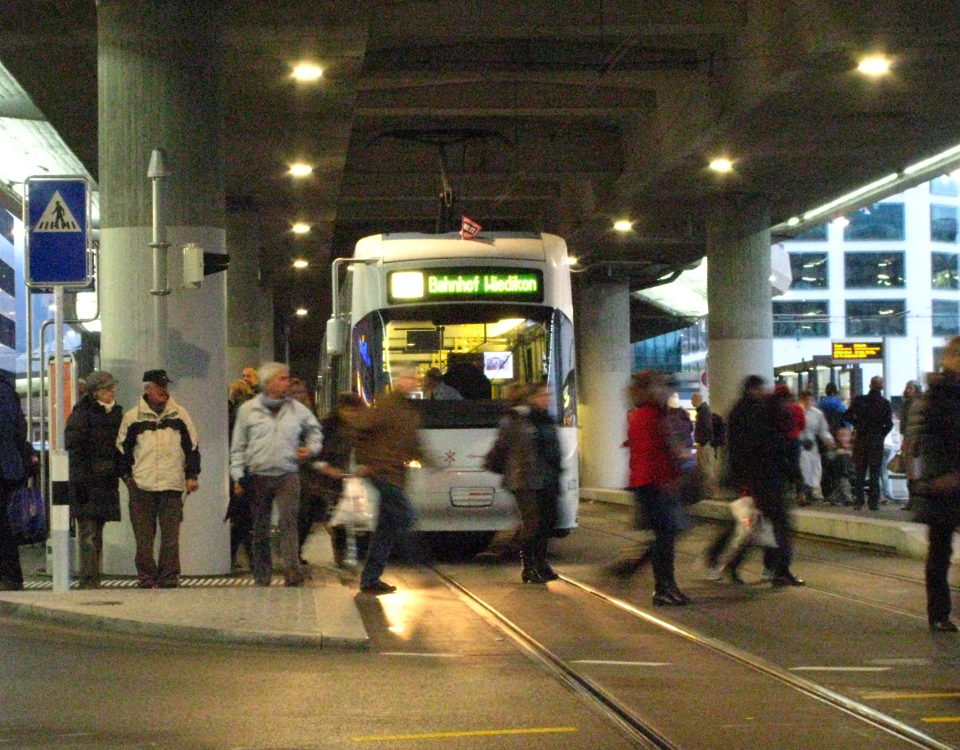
<point>479,353</point>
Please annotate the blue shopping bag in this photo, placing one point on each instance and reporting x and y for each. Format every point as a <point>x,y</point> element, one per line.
<point>28,515</point>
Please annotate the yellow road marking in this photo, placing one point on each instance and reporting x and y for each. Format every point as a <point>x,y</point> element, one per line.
<point>907,696</point>
<point>475,733</point>
<point>941,719</point>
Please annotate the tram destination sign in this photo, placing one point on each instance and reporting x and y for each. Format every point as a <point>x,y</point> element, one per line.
<point>857,351</point>
<point>487,284</point>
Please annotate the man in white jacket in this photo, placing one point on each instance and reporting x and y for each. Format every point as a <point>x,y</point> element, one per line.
<point>160,460</point>
<point>272,436</point>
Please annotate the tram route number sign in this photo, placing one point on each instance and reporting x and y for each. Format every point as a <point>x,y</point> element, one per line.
<point>857,351</point>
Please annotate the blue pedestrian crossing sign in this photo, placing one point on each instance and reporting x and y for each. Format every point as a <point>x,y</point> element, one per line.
<point>57,212</point>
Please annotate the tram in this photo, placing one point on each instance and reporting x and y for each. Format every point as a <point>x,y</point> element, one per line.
<point>488,312</point>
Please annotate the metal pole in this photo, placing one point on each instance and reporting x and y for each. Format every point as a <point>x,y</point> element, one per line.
<point>59,468</point>
<point>157,173</point>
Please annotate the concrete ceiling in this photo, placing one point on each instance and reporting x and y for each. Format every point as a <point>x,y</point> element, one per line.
<point>554,115</point>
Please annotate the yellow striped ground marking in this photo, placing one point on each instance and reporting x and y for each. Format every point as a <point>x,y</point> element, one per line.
<point>941,719</point>
<point>475,733</point>
<point>907,696</point>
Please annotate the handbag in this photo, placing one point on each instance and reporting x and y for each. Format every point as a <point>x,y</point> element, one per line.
<point>27,514</point>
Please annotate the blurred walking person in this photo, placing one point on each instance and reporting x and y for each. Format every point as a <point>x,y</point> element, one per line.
<point>532,474</point>
<point>655,458</point>
<point>938,430</point>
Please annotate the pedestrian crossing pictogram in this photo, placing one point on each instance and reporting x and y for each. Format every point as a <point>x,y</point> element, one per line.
<point>56,217</point>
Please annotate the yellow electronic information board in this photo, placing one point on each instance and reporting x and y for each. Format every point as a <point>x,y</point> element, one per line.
<point>855,351</point>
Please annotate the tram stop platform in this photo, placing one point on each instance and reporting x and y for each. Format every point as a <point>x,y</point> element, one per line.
<point>228,609</point>
<point>324,613</point>
<point>890,527</point>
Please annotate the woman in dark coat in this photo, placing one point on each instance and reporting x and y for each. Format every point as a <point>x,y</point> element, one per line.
<point>532,474</point>
<point>90,439</point>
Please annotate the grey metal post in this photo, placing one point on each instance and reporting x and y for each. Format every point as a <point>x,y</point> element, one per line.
<point>59,468</point>
<point>157,173</point>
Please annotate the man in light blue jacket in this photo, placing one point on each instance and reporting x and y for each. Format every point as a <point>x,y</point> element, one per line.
<point>273,434</point>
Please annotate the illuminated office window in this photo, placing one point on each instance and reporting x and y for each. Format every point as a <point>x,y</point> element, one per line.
<point>945,185</point>
<point>881,221</point>
<point>944,271</point>
<point>874,270</point>
<point>946,317</point>
<point>876,317</point>
<point>809,271</point>
<point>803,319</point>
<point>943,223</point>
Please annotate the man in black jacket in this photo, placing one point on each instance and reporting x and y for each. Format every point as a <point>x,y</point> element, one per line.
<point>872,418</point>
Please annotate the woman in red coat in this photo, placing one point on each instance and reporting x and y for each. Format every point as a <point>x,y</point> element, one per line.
<point>656,445</point>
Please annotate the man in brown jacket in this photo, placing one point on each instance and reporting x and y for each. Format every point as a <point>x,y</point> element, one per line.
<point>386,440</point>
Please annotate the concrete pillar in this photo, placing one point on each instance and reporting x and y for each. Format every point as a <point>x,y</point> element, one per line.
<point>249,308</point>
<point>740,326</point>
<point>604,362</point>
<point>159,64</point>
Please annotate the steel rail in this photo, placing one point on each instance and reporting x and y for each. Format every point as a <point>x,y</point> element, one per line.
<point>854,708</point>
<point>631,725</point>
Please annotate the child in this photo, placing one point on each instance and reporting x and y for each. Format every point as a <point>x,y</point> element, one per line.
<point>842,466</point>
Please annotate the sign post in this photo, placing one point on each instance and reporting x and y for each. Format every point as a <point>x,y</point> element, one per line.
<point>57,211</point>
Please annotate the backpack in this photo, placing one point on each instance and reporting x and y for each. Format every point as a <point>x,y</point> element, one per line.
<point>719,438</point>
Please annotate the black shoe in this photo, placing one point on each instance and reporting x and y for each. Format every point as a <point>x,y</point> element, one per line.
<point>787,579</point>
<point>263,581</point>
<point>734,577</point>
<point>375,589</point>
<point>548,573</point>
<point>294,580</point>
<point>942,626</point>
<point>669,599</point>
<point>532,575</point>
<point>146,584</point>
<point>679,595</point>
<point>11,586</point>
<point>169,583</point>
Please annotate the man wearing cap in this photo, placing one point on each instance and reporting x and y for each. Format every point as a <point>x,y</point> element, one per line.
<point>272,436</point>
<point>160,459</point>
<point>91,441</point>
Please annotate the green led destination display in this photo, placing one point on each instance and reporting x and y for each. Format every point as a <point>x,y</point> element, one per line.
<point>467,284</point>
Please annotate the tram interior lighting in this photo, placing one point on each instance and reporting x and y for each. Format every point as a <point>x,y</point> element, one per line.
<point>495,330</point>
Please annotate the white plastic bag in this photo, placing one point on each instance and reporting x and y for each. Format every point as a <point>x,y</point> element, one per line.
<point>358,505</point>
<point>753,526</point>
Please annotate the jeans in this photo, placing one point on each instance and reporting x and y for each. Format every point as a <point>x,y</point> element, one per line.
<point>395,520</point>
<point>148,510</point>
<point>868,458</point>
<point>667,519</point>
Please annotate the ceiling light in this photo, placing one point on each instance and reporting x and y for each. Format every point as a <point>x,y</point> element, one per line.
<point>623,225</point>
<point>875,65</point>
<point>721,165</point>
<point>301,312</point>
<point>300,263</point>
<point>841,221</point>
<point>301,170</point>
<point>307,72</point>
<point>300,228</point>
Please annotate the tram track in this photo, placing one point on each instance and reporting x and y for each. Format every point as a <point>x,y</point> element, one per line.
<point>628,720</point>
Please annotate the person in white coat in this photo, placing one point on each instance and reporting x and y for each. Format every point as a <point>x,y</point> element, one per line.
<point>815,434</point>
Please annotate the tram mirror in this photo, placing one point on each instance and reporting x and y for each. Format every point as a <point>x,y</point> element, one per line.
<point>336,336</point>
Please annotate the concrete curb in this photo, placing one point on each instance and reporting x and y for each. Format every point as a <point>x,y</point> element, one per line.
<point>65,609</point>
